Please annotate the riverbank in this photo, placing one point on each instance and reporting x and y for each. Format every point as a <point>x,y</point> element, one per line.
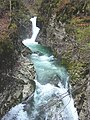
<point>65,28</point>
<point>16,71</point>
<point>17,85</point>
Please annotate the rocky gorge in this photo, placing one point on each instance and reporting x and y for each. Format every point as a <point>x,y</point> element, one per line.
<point>65,28</point>
<point>16,71</point>
<point>66,32</point>
<point>68,36</point>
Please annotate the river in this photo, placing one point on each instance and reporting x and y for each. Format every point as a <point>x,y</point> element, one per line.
<point>52,99</point>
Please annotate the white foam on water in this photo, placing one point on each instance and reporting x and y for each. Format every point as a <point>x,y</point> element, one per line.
<point>35,31</point>
<point>16,113</point>
<point>45,92</point>
<point>42,96</point>
<point>46,58</point>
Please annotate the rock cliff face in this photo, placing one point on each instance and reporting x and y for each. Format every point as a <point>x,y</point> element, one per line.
<point>16,71</point>
<point>65,27</point>
<point>16,77</point>
<point>17,86</point>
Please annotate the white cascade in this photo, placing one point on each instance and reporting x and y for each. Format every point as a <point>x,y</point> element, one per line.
<point>53,103</point>
<point>35,31</point>
<point>50,102</point>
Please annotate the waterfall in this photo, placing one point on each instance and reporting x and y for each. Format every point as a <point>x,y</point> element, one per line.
<point>51,99</point>
<point>35,31</point>
<point>52,103</point>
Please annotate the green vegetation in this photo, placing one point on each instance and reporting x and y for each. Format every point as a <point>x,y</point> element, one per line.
<point>81,30</point>
<point>82,34</point>
<point>76,69</point>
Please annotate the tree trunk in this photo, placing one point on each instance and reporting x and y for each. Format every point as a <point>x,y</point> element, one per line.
<point>10,9</point>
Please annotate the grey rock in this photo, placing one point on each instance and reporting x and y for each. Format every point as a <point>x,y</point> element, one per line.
<point>16,87</point>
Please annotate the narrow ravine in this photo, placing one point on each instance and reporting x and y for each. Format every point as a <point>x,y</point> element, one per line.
<point>52,99</point>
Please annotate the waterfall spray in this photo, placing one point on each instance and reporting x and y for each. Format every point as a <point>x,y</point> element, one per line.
<point>35,31</point>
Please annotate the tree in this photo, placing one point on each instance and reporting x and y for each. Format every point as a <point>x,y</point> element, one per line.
<point>10,8</point>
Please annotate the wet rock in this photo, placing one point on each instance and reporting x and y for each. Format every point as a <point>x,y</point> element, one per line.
<point>70,47</point>
<point>55,80</point>
<point>70,44</point>
<point>81,96</point>
<point>26,73</point>
<point>26,51</point>
<point>17,86</point>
